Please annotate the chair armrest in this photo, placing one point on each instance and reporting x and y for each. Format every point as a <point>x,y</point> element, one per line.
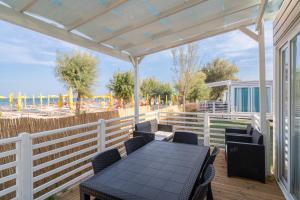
<point>237,138</point>
<point>141,133</point>
<point>246,160</point>
<point>235,130</point>
<point>165,127</point>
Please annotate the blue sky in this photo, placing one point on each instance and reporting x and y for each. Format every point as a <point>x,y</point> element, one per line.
<point>27,60</point>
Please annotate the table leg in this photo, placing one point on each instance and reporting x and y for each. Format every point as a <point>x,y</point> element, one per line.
<point>84,196</point>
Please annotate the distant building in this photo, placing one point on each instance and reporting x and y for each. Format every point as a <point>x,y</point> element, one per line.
<point>243,96</point>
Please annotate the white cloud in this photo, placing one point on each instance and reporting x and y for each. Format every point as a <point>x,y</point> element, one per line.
<point>15,53</point>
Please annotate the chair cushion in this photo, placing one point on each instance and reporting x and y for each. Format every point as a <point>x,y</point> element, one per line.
<point>154,125</point>
<point>144,126</point>
<point>257,137</point>
<point>185,137</point>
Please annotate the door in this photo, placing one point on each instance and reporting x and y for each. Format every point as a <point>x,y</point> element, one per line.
<point>285,127</point>
<point>295,117</point>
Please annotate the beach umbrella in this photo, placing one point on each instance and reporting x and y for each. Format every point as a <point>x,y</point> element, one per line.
<point>11,99</point>
<point>70,97</point>
<point>19,102</point>
<point>110,100</point>
<point>25,101</point>
<point>48,100</point>
<point>147,99</point>
<point>33,100</point>
<point>60,102</point>
<point>41,100</point>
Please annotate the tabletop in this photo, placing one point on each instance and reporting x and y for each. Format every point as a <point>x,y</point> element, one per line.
<point>158,170</point>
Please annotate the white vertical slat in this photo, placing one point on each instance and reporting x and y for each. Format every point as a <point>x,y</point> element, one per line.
<point>25,168</point>
<point>102,135</point>
<point>99,136</point>
<point>18,169</point>
<point>206,130</point>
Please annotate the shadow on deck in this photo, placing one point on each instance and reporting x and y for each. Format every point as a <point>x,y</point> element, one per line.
<point>224,188</point>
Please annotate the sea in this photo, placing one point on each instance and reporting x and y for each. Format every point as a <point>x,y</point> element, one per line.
<point>36,101</point>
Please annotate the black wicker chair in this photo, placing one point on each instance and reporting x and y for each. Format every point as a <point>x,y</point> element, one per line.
<point>105,159</point>
<point>133,144</point>
<point>150,127</point>
<point>148,137</point>
<point>187,138</point>
<point>203,190</point>
<point>210,161</point>
<point>213,155</point>
<point>246,156</point>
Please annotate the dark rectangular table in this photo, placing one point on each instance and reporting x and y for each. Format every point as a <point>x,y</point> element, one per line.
<point>158,170</point>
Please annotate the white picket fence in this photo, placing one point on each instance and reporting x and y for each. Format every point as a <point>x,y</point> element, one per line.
<point>42,164</point>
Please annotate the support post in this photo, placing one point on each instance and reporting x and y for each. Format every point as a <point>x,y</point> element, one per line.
<point>262,93</point>
<point>214,107</point>
<point>24,167</point>
<point>229,98</point>
<point>206,130</point>
<point>135,62</point>
<point>101,135</point>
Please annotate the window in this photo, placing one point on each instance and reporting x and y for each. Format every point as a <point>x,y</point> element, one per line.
<point>255,99</point>
<point>242,99</point>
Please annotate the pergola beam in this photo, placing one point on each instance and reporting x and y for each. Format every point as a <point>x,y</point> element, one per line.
<point>249,33</point>
<point>261,12</point>
<point>206,21</point>
<point>29,5</point>
<point>200,36</point>
<point>169,12</point>
<point>87,20</point>
<point>21,19</point>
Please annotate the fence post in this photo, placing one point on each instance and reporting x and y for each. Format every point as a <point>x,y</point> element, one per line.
<point>206,130</point>
<point>24,167</point>
<point>101,135</point>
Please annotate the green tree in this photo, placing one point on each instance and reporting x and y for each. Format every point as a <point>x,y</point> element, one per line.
<point>198,89</point>
<point>122,85</point>
<point>149,87</point>
<point>78,71</point>
<point>154,88</point>
<point>219,70</point>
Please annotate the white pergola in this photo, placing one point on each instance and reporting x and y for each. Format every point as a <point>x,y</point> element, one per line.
<point>132,29</point>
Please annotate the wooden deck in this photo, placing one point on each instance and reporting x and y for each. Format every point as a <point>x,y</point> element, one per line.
<point>224,188</point>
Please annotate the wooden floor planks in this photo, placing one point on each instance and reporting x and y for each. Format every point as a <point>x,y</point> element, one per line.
<point>224,188</point>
